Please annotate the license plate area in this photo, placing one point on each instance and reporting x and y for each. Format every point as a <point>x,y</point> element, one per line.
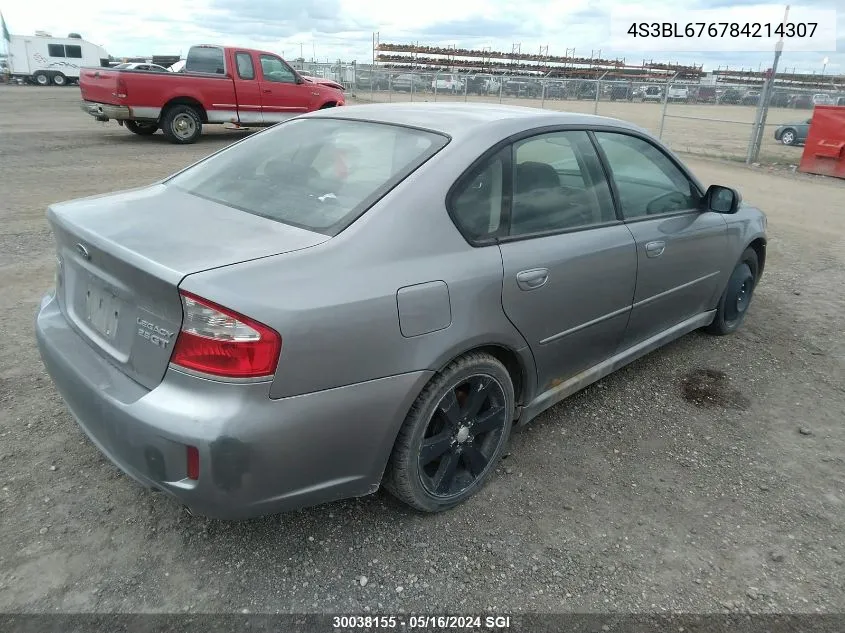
<point>102,311</point>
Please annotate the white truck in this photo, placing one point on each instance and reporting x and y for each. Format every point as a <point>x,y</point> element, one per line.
<point>45,60</point>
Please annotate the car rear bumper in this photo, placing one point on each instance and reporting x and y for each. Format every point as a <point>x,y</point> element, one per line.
<point>256,455</point>
<point>106,111</point>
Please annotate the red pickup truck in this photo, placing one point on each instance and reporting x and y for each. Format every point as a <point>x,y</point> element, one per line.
<point>219,84</point>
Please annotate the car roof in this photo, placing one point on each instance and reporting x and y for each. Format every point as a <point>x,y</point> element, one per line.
<point>460,120</point>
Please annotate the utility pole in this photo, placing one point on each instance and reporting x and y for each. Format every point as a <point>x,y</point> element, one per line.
<point>763,105</point>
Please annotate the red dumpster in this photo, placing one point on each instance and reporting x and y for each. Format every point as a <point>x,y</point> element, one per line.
<point>824,149</point>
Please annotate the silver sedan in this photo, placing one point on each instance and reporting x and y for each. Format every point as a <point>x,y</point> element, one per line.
<point>376,295</point>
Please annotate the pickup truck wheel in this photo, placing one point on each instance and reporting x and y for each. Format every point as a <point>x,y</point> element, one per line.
<point>142,129</point>
<point>181,125</point>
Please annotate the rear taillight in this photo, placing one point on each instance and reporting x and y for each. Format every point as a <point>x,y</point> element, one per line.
<point>121,92</point>
<point>216,341</point>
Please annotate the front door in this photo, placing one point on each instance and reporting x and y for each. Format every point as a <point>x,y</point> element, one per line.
<point>569,263</point>
<point>281,95</point>
<point>681,249</point>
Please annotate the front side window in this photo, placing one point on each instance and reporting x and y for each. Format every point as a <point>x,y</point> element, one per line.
<point>648,182</point>
<point>317,174</point>
<point>56,50</point>
<point>274,69</point>
<point>73,51</point>
<point>558,185</point>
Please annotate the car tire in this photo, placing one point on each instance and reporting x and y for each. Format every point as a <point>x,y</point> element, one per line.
<point>438,460</point>
<point>142,129</point>
<point>42,79</point>
<point>736,298</point>
<point>789,136</point>
<point>181,124</point>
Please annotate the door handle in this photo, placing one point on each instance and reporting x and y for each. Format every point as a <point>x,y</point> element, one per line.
<point>267,90</point>
<point>532,279</point>
<point>655,249</point>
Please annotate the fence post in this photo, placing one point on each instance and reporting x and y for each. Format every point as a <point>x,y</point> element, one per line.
<point>543,93</point>
<point>598,93</point>
<point>436,75</point>
<point>413,76</point>
<point>373,84</point>
<point>390,87</point>
<point>501,88</point>
<point>665,105</point>
<point>466,86</point>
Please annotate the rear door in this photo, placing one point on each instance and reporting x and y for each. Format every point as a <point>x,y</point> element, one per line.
<point>569,264</point>
<point>247,89</point>
<point>281,95</point>
<point>681,249</point>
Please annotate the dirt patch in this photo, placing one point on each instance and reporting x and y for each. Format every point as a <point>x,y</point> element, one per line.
<point>711,388</point>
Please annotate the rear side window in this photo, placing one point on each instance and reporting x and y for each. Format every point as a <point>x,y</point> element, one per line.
<point>476,206</point>
<point>245,68</point>
<point>73,51</point>
<point>316,174</point>
<point>205,59</point>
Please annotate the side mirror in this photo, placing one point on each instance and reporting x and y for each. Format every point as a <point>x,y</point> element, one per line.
<point>299,80</point>
<point>721,199</point>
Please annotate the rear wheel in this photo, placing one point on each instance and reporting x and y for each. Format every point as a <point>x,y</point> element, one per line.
<point>59,79</point>
<point>41,79</point>
<point>142,129</point>
<point>181,124</point>
<point>734,302</point>
<point>454,435</point>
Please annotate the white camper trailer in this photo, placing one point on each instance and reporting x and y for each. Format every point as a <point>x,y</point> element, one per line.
<point>46,60</point>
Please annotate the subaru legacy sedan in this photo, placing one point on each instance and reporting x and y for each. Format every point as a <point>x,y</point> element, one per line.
<point>377,295</point>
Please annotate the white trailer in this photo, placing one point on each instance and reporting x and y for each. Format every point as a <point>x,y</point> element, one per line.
<point>46,60</point>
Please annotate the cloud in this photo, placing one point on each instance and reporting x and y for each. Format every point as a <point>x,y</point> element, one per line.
<point>475,28</point>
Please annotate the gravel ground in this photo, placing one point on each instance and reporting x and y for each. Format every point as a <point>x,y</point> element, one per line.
<point>705,477</point>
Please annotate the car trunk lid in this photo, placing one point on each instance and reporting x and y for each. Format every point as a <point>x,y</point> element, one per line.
<point>122,257</point>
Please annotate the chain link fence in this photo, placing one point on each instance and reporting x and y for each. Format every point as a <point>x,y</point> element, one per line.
<point>710,119</point>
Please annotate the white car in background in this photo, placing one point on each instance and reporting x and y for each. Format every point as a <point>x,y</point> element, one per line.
<point>678,93</point>
<point>141,66</point>
<point>822,99</point>
<point>447,82</point>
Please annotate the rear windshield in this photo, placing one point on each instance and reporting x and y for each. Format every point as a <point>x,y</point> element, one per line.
<point>318,174</point>
<point>205,59</point>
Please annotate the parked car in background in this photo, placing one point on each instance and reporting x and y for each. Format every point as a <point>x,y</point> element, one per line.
<point>793,133</point>
<point>482,84</point>
<point>221,335</point>
<point>840,101</point>
<point>445,82</point>
<point>523,87</point>
<point>678,93</point>
<point>140,66</point>
<point>555,89</point>
<point>822,99</point>
<point>621,91</point>
<point>367,80</point>
<point>751,97</point>
<point>780,99</point>
<point>586,90</point>
<point>217,79</point>
<point>652,93</point>
<point>408,82</point>
<point>801,101</point>
<point>706,94</point>
<point>730,96</point>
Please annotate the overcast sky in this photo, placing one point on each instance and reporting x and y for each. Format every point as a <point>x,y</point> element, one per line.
<point>342,29</point>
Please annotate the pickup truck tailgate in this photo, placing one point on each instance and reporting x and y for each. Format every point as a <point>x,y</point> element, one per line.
<point>100,85</point>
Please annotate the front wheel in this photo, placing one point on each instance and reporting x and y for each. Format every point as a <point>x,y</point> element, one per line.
<point>142,129</point>
<point>454,435</point>
<point>41,79</point>
<point>181,125</point>
<point>788,137</point>
<point>734,302</point>
<point>59,79</point>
